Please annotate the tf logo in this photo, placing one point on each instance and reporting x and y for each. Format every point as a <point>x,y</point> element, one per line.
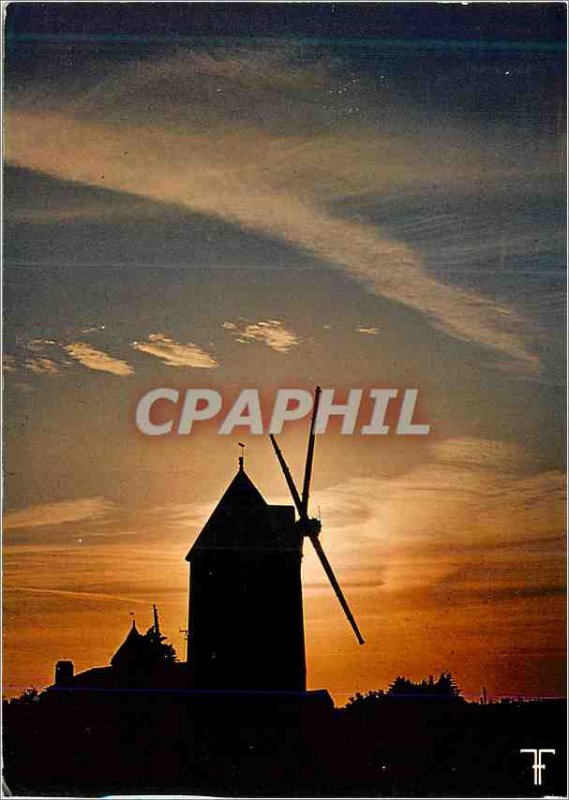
<point>538,764</point>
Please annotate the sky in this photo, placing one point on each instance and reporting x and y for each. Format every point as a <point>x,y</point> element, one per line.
<point>282,195</point>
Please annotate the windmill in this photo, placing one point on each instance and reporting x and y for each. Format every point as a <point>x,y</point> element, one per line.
<point>245,615</point>
<point>309,526</point>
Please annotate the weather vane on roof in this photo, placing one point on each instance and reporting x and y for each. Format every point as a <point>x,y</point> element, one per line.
<point>242,456</point>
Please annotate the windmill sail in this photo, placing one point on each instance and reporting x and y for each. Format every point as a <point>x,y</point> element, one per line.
<point>311,527</point>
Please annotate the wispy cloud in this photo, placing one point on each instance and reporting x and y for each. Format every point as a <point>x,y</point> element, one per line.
<point>38,365</point>
<point>496,581</point>
<point>270,332</point>
<point>467,452</point>
<point>454,524</point>
<point>37,345</point>
<point>95,596</point>
<point>87,508</point>
<point>43,366</point>
<point>174,353</point>
<point>97,360</point>
<point>93,329</point>
<point>9,363</point>
<point>267,174</point>
<point>105,211</point>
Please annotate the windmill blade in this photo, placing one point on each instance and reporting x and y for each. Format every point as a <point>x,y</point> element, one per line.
<point>309,456</point>
<point>336,586</point>
<point>301,504</point>
<point>288,476</point>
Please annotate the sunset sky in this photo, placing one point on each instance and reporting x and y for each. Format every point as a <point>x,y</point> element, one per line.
<point>272,196</point>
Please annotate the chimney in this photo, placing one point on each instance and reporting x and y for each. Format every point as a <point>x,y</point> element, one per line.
<point>64,671</point>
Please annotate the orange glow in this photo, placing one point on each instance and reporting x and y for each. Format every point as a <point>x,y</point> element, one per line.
<point>471,583</point>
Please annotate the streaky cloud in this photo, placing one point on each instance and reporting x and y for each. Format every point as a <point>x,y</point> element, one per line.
<point>458,522</point>
<point>175,354</point>
<point>43,366</point>
<point>369,330</point>
<point>72,594</point>
<point>224,144</point>
<point>95,359</point>
<point>270,332</point>
<point>59,513</point>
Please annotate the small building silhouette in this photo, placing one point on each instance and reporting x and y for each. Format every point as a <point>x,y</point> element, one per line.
<point>141,661</point>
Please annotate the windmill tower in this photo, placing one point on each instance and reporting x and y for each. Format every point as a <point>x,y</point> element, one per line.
<point>246,626</point>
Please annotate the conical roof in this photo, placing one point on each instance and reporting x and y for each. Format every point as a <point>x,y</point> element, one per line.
<point>241,493</point>
<point>242,519</point>
<point>131,649</point>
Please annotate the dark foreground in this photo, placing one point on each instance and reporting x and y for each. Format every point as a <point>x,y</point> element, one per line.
<point>119,742</point>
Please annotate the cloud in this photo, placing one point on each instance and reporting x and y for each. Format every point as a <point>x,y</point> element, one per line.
<point>104,212</point>
<point>174,353</point>
<point>497,582</point>
<point>369,329</point>
<point>37,345</point>
<point>271,332</point>
<point>39,365</point>
<point>223,142</point>
<point>88,508</point>
<point>85,354</point>
<point>43,366</point>
<point>75,595</point>
<point>95,359</point>
<point>93,329</point>
<point>454,526</point>
<point>9,363</point>
<point>466,452</point>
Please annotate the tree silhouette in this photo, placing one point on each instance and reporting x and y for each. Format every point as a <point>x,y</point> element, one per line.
<point>159,650</point>
<point>443,687</point>
<point>27,697</point>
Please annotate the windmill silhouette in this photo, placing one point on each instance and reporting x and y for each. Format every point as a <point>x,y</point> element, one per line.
<point>246,622</point>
